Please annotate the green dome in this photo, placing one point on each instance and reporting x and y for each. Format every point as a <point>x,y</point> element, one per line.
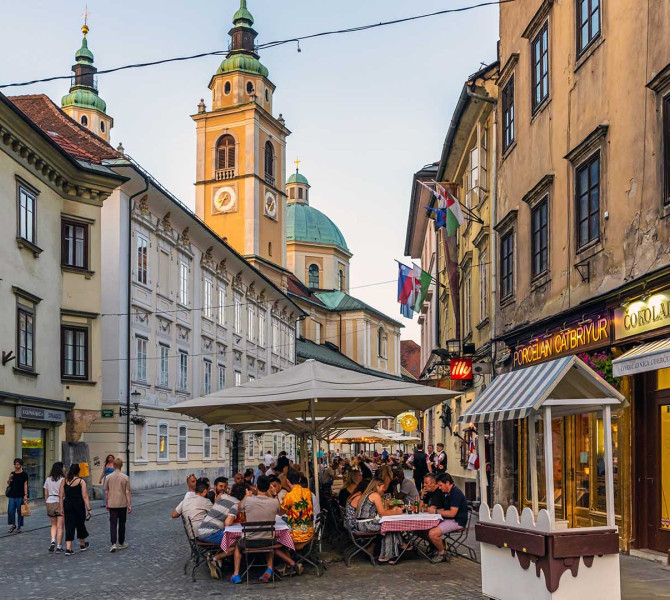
<point>305,223</point>
<point>84,54</point>
<point>243,62</point>
<point>297,178</point>
<point>84,98</point>
<point>243,15</point>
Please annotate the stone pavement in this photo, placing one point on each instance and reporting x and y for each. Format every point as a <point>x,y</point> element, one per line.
<point>152,568</point>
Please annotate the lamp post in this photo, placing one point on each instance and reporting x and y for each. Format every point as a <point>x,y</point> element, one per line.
<point>126,411</point>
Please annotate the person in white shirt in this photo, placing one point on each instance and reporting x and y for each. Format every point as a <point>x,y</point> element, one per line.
<point>190,484</point>
<point>52,498</point>
<point>406,487</point>
<point>194,508</point>
<point>268,459</point>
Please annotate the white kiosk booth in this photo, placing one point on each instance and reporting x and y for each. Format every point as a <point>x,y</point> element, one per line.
<point>534,556</point>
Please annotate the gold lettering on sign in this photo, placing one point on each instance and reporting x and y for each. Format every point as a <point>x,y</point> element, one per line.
<point>642,315</point>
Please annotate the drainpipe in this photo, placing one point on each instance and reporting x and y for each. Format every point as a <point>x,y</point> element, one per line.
<point>493,246</point>
<point>128,305</point>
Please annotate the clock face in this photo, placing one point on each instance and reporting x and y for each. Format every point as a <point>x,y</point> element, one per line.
<point>225,200</point>
<point>270,206</point>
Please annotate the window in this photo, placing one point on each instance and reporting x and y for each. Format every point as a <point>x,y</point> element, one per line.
<point>340,280</point>
<point>102,126</point>
<point>261,328</point>
<point>74,245</point>
<point>74,352</point>
<point>142,260</point>
<point>381,342</point>
<point>251,322</point>
<point>587,191</point>
<point>222,377</point>
<point>182,442</point>
<point>472,177</point>
<point>483,284</point>
<point>483,175</point>
<point>183,370</point>
<point>588,23</point>
<point>27,224</point>
<point>250,445</point>
<point>140,359</point>
<point>269,163</point>
<point>225,153</point>
<point>299,193</point>
<point>183,282</point>
<point>223,443</point>
<point>227,88</point>
<point>252,378</point>
<point>467,305</point>
<point>206,443</point>
<point>507,265</point>
<point>313,276</point>
<point>275,336</point>
<point>163,451</point>
<point>317,332</point>
<point>250,87</point>
<point>208,310</point>
<point>222,306</point>
<point>508,114</point>
<point>238,378</point>
<point>140,442</point>
<point>666,147</point>
<point>207,377</point>
<point>163,366</point>
<point>25,328</point>
<point>291,193</point>
<point>540,66</point>
<point>291,345</point>
<point>538,241</point>
<point>237,307</point>
<point>84,120</point>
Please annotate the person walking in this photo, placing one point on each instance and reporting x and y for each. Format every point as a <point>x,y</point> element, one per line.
<point>108,469</point>
<point>17,494</point>
<point>52,499</point>
<point>76,508</point>
<point>117,492</point>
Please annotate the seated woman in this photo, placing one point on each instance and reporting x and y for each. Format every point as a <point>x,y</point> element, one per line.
<point>370,507</point>
<point>352,505</point>
<point>351,481</point>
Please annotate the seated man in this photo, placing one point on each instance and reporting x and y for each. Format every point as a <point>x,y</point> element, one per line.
<point>406,488</point>
<point>433,498</point>
<point>316,505</point>
<point>275,486</point>
<point>299,509</point>
<point>260,470</point>
<point>454,513</point>
<point>238,478</point>
<point>195,508</point>
<point>220,486</point>
<point>190,485</point>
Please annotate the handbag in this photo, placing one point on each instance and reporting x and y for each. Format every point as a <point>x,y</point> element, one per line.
<point>25,509</point>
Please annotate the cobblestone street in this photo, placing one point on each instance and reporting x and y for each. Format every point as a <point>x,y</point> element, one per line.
<point>152,568</point>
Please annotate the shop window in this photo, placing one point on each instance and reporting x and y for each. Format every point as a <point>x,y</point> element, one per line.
<point>663,379</point>
<point>600,504</point>
<point>34,459</point>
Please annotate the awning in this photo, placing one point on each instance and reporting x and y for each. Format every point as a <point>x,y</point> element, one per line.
<point>647,357</point>
<point>567,385</point>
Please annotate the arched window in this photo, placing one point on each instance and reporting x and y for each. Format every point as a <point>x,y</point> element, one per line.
<point>225,153</point>
<point>84,120</point>
<point>381,342</point>
<point>269,162</point>
<point>340,277</point>
<point>313,276</point>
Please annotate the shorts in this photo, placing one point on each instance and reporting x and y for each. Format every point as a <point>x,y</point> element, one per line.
<point>268,543</point>
<point>449,526</point>
<point>213,538</point>
<point>53,510</point>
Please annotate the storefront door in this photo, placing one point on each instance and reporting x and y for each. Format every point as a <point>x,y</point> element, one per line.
<point>32,448</point>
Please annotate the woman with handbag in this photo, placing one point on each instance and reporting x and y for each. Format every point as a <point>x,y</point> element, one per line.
<point>75,506</point>
<point>17,494</point>
<point>52,498</point>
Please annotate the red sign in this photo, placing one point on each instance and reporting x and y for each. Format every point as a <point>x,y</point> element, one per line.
<point>461,369</point>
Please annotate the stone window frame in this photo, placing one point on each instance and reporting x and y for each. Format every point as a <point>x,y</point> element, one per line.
<point>507,226</point>
<point>508,77</point>
<point>32,192</point>
<point>660,85</point>
<point>181,458</point>
<point>159,458</point>
<point>541,190</point>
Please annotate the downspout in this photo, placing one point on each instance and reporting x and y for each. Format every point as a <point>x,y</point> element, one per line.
<point>493,246</point>
<point>128,305</point>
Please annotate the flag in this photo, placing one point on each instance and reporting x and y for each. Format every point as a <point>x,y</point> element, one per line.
<point>405,290</point>
<point>422,281</point>
<point>454,217</point>
<point>440,216</point>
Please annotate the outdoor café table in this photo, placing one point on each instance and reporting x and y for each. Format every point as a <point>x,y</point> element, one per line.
<point>410,522</point>
<point>233,532</point>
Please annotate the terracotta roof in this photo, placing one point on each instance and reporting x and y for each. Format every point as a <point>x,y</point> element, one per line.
<point>73,138</point>
<point>410,356</point>
<point>297,288</point>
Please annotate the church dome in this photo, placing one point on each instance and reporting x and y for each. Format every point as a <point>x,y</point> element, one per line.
<point>297,178</point>
<point>304,223</point>
<point>245,63</point>
<point>84,98</point>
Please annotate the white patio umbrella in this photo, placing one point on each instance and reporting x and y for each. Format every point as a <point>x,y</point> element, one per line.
<point>310,399</point>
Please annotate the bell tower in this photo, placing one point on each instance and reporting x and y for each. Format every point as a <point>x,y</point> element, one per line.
<point>241,154</point>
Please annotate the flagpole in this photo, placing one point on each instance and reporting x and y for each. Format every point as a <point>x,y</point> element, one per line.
<point>433,278</point>
<point>473,217</point>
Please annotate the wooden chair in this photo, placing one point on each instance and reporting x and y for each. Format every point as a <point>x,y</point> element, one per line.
<point>267,529</point>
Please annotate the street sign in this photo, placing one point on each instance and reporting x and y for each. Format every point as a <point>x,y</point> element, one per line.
<point>107,413</point>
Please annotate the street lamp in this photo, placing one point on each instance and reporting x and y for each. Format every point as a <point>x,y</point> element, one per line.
<point>125,411</point>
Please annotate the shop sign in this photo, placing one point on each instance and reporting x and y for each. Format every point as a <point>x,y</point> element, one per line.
<point>461,369</point>
<point>642,315</point>
<point>107,413</point>
<point>34,413</point>
<point>592,332</point>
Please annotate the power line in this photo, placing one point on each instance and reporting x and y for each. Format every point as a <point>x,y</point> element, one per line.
<point>267,45</point>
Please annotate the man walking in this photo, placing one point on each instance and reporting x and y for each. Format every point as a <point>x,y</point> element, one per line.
<point>117,492</point>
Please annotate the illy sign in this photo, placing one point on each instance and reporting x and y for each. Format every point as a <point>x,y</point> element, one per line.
<point>461,369</point>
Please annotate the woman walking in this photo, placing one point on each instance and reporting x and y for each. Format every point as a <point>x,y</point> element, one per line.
<point>54,512</point>
<point>108,469</point>
<point>75,507</point>
<point>17,494</point>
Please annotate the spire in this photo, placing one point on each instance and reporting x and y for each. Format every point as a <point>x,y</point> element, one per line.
<point>243,16</point>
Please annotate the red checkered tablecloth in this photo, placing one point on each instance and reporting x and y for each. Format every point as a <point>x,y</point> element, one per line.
<point>420,522</point>
<point>233,533</point>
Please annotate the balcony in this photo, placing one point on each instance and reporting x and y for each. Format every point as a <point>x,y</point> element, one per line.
<point>224,174</point>
<point>270,179</point>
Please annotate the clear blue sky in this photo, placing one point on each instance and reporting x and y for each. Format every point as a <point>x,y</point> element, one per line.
<point>366,109</point>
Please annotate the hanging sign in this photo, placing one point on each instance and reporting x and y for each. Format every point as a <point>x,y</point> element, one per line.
<point>642,315</point>
<point>461,369</point>
<point>591,332</point>
<point>408,422</point>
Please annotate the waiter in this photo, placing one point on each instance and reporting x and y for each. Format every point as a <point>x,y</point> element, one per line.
<point>419,462</point>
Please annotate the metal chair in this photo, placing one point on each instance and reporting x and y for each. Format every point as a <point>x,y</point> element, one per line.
<point>359,543</point>
<point>201,552</point>
<point>311,553</point>
<point>267,531</point>
<point>456,540</point>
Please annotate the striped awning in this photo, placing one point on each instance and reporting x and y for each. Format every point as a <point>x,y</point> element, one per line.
<point>647,357</point>
<point>566,383</point>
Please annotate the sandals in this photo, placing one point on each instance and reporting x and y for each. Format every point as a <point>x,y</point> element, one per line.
<point>266,577</point>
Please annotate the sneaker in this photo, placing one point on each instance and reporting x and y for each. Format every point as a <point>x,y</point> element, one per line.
<point>52,546</point>
<point>235,579</point>
<point>122,546</point>
<point>113,548</point>
<point>69,552</point>
<point>84,547</point>
<point>18,530</point>
<point>11,529</point>
<point>59,549</point>
<point>438,558</point>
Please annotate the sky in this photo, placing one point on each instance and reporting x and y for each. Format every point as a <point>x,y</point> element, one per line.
<point>366,110</point>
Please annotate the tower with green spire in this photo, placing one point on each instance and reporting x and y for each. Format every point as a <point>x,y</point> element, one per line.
<point>83,103</point>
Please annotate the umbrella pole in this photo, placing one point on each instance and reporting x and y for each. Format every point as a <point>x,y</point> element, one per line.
<point>315,464</point>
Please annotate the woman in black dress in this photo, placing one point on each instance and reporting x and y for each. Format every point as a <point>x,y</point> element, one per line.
<point>75,506</point>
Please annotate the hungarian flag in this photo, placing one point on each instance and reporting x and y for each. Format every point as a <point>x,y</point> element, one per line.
<point>454,217</point>
<point>405,290</point>
<point>422,281</point>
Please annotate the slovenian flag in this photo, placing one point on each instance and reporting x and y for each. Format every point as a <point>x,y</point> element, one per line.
<point>405,290</point>
<point>422,281</point>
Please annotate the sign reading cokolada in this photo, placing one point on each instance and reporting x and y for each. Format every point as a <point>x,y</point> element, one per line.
<point>591,332</point>
<point>642,315</point>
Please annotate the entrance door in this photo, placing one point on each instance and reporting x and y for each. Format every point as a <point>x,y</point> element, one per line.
<point>32,448</point>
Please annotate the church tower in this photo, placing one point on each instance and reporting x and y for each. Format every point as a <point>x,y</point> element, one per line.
<point>83,103</point>
<point>241,155</point>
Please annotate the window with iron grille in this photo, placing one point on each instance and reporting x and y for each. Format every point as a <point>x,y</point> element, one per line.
<point>74,352</point>
<point>74,245</point>
<point>508,114</point>
<point>539,238</point>
<point>507,265</point>
<point>540,66</point>
<point>587,192</point>
<point>588,23</point>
